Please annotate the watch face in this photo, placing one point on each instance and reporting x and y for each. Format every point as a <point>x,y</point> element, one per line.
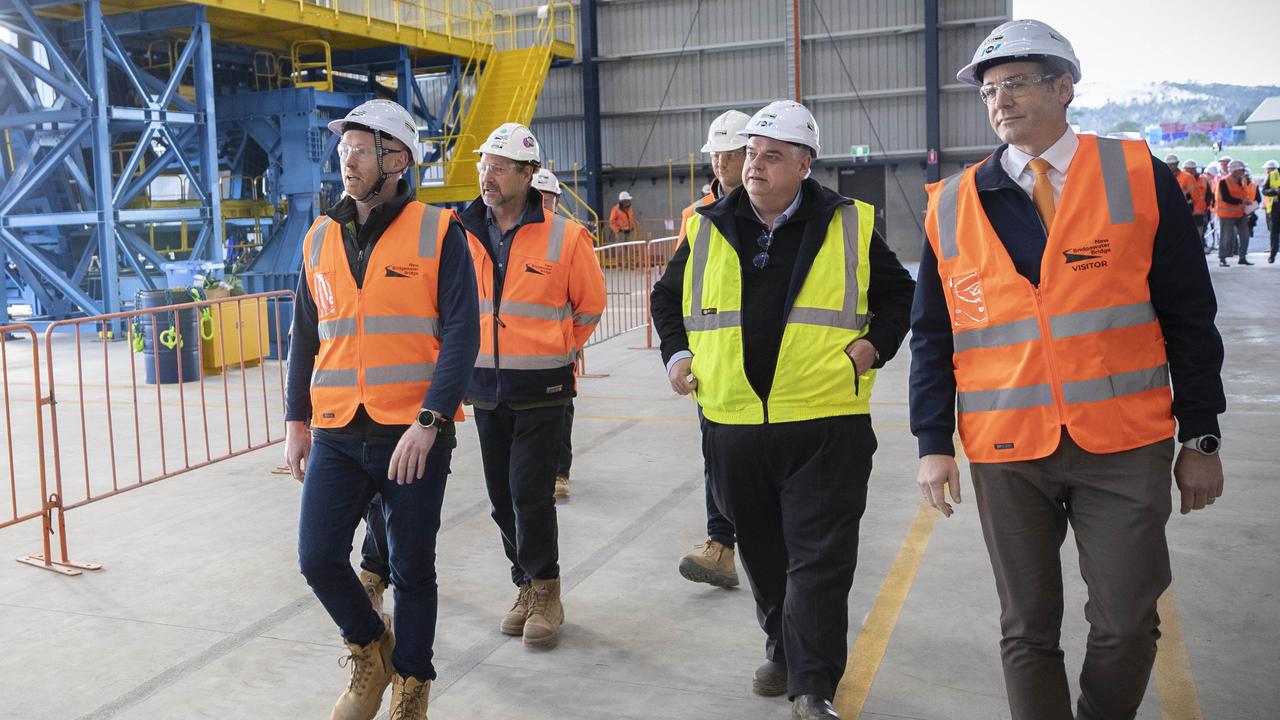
<point>425,418</point>
<point>1209,444</point>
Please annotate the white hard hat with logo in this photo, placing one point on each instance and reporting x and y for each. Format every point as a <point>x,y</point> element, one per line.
<point>1189,163</point>
<point>785,120</point>
<point>1235,165</point>
<point>1171,158</point>
<point>1211,169</point>
<point>624,195</point>
<point>1271,165</point>
<point>723,136</point>
<point>1019,40</point>
<point>512,140</point>
<point>386,117</point>
<point>546,181</point>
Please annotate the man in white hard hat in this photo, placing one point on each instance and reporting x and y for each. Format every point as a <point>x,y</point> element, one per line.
<point>1198,192</point>
<point>622,218</point>
<point>712,562</point>
<point>1231,196</point>
<point>1271,191</point>
<point>1060,288</point>
<point>1224,166</point>
<point>385,334</point>
<point>546,182</point>
<point>787,300</point>
<point>541,296</point>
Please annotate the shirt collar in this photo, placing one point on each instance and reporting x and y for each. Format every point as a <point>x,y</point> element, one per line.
<point>786,214</point>
<point>1058,155</point>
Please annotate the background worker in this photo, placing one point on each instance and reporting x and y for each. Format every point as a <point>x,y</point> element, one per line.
<point>712,562</point>
<point>1197,193</point>
<point>1210,177</point>
<point>1270,191</point>
<point>546,182</point>
<point>1060,288</point>
<point>534,320</point>
<point>784,379</point>
<point>1230,199</point>
<point>385,334</point>
<point>622,218</point>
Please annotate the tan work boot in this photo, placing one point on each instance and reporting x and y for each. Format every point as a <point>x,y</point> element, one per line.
<point>712,565</point>
<point>546,614</point>
<point>374,585</point>
<point>562,487</point>
<point>370,675</point>
<point>513,622</point>
<point>409,698</point>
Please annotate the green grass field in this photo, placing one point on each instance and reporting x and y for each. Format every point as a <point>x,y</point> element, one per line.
<point>1254,157</point>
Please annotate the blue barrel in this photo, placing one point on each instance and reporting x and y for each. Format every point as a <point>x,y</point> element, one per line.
<point>154,352</point>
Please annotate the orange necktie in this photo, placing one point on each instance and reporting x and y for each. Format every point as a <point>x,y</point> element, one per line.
<point>1042,192</point>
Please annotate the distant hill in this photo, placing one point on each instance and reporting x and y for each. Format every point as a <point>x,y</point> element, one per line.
<point>1104,106</point>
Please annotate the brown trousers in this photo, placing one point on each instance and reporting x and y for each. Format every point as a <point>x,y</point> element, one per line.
<point>1118,505</point>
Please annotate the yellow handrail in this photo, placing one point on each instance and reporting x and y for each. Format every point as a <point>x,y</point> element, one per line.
<point>595,218</point>
<point>300,66</point>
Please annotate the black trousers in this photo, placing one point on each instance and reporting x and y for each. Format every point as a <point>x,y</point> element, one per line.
<point>519,450</point>
<point>1273,226</point>
<point>565,461</point>
<point>796,492</point>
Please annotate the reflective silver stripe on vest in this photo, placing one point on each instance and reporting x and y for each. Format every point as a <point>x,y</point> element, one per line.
<point>1008,399</point>
<point>586,318</point>
<point>333,378</point>
<point>847,317</point>
<point>428,233</point>
<point>555,243</point>
<point>317,240</point>
<point>1114,386</point>
<point>1115,179</point>
<point>993,336</point>
<point>948,199</point>
<point>527,362</point>
<point>340,327</point>
<point>714,321</point>
<point>395,374</point>
<point>401,325</point>
<point>1108,318</point>
<point>515,308</point>
<point>694,321</point>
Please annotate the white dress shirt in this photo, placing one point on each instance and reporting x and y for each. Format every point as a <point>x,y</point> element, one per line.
<point>1059,155</point>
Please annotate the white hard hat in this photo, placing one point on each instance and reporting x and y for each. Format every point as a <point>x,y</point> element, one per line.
<point>1225,159</point>
<point>546,181</point>
<point>1171,158</point>
<point>1189,163</point>
<point>512,140</point>
<point>624,195</point>
<point>1271,165</point>
<point>1235,165</point>
<point>1211,170</point>
<point>785,120</point>
<point>706,188</point>
<point>1019,40</point>
<point>386,117</point>
<point>723,134</point>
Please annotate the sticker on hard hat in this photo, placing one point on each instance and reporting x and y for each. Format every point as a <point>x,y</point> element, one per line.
<point>991,48</point>
<point>528,142</point>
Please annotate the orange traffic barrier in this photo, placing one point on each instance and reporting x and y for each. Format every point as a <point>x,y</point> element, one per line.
<point>23,429</point>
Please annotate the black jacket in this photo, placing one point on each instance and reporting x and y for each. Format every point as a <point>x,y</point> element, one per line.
<point>768,295</point>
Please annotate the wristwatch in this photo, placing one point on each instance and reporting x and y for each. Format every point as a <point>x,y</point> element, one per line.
<point>1205,444</point>
<point>431,419</point>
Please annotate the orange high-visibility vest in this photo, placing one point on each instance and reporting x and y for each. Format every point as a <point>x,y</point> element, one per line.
<point>689,211</point>
<point>1199,187</point>
<point>1230,210</point>
<point>622,220</point>
<point>535,325</point>
<point>1084,348</point>
<point>378,343</point>
<point>1185,181</point>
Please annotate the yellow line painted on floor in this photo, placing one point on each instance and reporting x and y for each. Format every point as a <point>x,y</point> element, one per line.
<point>869,649</point>
<point>1174,681</point>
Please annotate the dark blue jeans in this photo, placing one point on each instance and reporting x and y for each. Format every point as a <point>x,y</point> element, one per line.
<point>343,475</point>
<point>719,527</point>
<point>566,444</point>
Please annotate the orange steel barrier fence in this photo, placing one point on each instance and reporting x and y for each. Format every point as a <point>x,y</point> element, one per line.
<point>630,270</point>
<point>149,434</point>
<point>27,500</point>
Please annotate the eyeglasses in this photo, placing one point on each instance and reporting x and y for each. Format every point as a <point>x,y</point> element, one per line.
<point>1014,87</point>
<point>345,150</point>
<point>495,169</point>
<point>761,260</point>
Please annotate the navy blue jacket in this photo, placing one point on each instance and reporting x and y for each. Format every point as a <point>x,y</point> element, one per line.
<point>1181,293</point>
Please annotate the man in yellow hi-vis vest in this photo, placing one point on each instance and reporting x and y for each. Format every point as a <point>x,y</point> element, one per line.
<point>776,314</point>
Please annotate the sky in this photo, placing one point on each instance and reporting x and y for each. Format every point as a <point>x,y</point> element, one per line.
<point>1122,43</point>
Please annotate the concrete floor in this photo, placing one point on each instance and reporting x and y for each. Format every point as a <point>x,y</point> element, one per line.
<point>200,611</point>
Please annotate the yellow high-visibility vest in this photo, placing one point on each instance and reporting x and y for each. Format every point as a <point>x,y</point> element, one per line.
<point>814,377</point>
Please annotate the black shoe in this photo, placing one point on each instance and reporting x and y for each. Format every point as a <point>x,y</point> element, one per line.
<point>1271,259</point>
<point>1224,263</point>
<point>770,679</point>
<point>1244,262</point>
<point>812,707</point>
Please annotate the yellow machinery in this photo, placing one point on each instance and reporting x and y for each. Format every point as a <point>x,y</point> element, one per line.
<point>239,335</point>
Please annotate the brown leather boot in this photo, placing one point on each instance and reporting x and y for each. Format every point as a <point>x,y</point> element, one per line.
<point>546,614</point>
<point>374,586</point>
<point>562,487</point>
<point>370,675</point>
<point>409,698</point>
<point>513,622</point>
<point>712,565</point>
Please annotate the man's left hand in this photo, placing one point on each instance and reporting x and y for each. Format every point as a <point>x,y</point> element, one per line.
<point>409,461</point>
<point>863,354</point>
<point>1199,479</point>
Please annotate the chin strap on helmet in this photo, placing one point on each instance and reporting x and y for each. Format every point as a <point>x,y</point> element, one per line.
<point>382,173</point>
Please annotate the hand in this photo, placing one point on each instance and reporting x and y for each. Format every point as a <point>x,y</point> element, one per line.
<point>1199,479</point>
<point>863,354</point>
<point>937,472</point>
<point>680,377</point>
<point>297,445</point>
<point>409,460</point>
